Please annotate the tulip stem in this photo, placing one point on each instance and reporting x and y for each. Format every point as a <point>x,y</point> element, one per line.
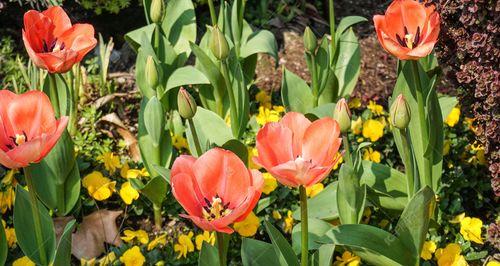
<point>213,17</point>
<point>36,217</point>
<point>314,80</point>
<point>157,216</point>
<point>408,162</point>
<point>195,137</point>
<point>54,97</point>
<point>304,227</point>
<point>157,36</point>
<point>331,13</point>
<point>221,249</point>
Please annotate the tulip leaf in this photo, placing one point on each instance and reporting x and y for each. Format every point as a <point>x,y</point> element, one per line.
<point>447,103</point>
<point>154,120</point>
<point>295,92</point>
<point>256,253</point>
<point>264,203</point>
<point>346,23</point>
<point>3,245</point>
<point>180,25</point>
<point>209,255</point>
<point>348,63</point>
<point>240,120</point>
<point>282,248</point>
<point>164,172</point>
<point>324,255</point>
<point>351,196</point>
<point>324,110</point>
<point>156,190</point>
<point>64,94</point>
<point>261,41</point>
<point>24,225</point>
<point>134,37</point>
<point>63,252</point>
<point>316,229</point>
<point>323,206</point>
<point>187,75</point>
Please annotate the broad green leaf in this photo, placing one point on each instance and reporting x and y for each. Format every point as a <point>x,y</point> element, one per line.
<point>210,129</point>
<point>351,197</point>
<point>154,120</point>
<point>180,25</point>
<point>316,229</point>
<point>156,190</point>
<point>261,41</point>
<point>324,110</point>
<point>323,256</point>
<point>257,253</point>
<point>63,252</point>
<point>3,245</point>
<point>348,63</point>
<point>346,23</point>
<point>237,80</point>
<point>323,206</point>
<point>447,103</point>
<point>295,93</point>
<point>134,37</point>
<point>264,203</point>
<point>209,255</point>
<point>187,75</point>
<point>163,172</point>
<point>64,94</point>
<point>211,71</point>
<point>282,248</point>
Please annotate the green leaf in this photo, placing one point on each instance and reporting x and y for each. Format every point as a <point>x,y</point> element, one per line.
<point>447,103</point>
<point>296,94</point>
<point>180,25</point>
<point>348,63</point>
<point>282,248</point>
<point>154,120</point>
<point>316,230</point>
<point>209,255</point>
<point>211,71</point>
<point>134,37</point>
<point>324,255</point>
<point>24,225</point>
<point>346,23</point>
<point>264,203</point>
<point>351,197</point>
<point>3,245</point>
<point>163,172</point>
<point>187,75</point>
<point>324,110</point>
<point>64,94</point>
<point>257,253</point>
<point>240,120</point>
<point>63,252</point>
<point>156,190</point>
<point>323,206</point>
<point>261,41</point>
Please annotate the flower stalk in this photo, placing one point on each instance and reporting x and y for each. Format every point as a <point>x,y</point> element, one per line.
<point>54,97</point>
<point>221,249</point>
<point>213,17</point>
<point>304,227</point>
<point>157,216</point>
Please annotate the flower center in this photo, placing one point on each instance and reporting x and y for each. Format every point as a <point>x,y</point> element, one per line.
<point>17,140</point>
<point>409,40</point>
<point>215,209</point>
<point>52,46</point>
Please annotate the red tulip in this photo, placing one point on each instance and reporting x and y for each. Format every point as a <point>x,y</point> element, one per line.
<point>28,128</point>
<point>216,189</point>
<point>53,43</point>
<point>409,30</point>
<point>297,151</point>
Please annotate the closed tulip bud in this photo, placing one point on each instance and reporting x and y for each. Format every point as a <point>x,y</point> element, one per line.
<point>343,115</point>
<point>218,44</point>
<point>151,72</point>
<point>186,104</point>
<point>157,10</point>
<point>310,41</point>
<point>400,113</point>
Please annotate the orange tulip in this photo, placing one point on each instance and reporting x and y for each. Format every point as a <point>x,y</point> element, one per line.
<point>53,43</point>
<point>216,189</point>
<point>409,30</point>
<point>28,128</point>
<point>297,151</point>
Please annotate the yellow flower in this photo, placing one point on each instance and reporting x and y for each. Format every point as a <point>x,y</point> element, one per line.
<point>263,99</point>
<point>453,118</point>
<point>428,249</point>
<point>375,108</point>
<point>9,177</point>
<point>23,261</point>
<point>457,219</point>
<point>160,240</point>
<point>140,235</point>
<point>207,236</point>
<point>357,126</point>
<point>354,103</point>
<point>252,152</point>
<point>288,222</point>
<point>270,183</point>
<point>249,226</point>
<point>383,223</point>
<point>276,215</point>
<point>267,115</point>
<point>180,142</point>
<point>108,259</point>
<point>90,262</point>
<point>371,155</point>
<point>470,228</point>
<point>450,256</point>
<point>373,129</point>
<point>339,161</point>
<point>347,259</point>
<point>6,199</point>
<point>478,157</point>
<point>314,190</point>
<point>111,162</point>
<point>184,245</point>
<point>127,173</point>
<point>493,263</point>
<point>133,257</point>
<point>98,186</point>
<point>446,147</point>
<point>128,193</point>
<point>10,235</point>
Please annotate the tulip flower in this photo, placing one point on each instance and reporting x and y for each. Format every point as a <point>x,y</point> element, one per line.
<point>28,128</point>
<point>409,30</point>
<point>216,189</point>
<point>53,43</point>
<point>297,151</point>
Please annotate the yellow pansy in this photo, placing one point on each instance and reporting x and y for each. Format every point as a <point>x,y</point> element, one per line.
<point>9,177</point>
<point>453,117</point>
<point>128,193</point>
<point>347,259</point>
<point>159,240</point>
<point>373,129</point>
<point>249,226</point>
<point>263,99</point>
<point>10,234</point>
<point>478,157</point>
<point>108,259</point>
<point>89,262</point>
<point>127,173</point>
<point>357,126</point>
<point>7,199</point>
<point>339,161</point>
<point>375,108</point>
<point>140,235</point>
<point>98,186</point>
<point>450,256</point>
<point>314,190</point>
<point>288,222</point>
<point>457,219</point>
<point>111,162</point>
<point>252,152</point>
<point>270,183</point>
<point>354,103</point>
<point>276,215</point>
<point>23,261</point>
<point>470,228</point>
<point>133,257</point>
<point>184,245</point>
<point>180,142</point>
<point>371,155</point>
<point>267,115</point>
<point>207,236</point>
<point>493,263</point>
<point>428,249</point>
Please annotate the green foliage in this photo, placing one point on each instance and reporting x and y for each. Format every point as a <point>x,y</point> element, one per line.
<point>111,6</point>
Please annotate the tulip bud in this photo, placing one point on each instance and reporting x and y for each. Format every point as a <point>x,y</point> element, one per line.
<point>157,10</point>
<point>151,72</point>
<point>186,104</point>
<point>310,41</point>
<point>343,115</point>
<point>400,113</point>
<point>218,44</point>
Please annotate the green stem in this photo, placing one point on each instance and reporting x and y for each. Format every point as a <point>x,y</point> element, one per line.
<point>232,99</point>
<point>36,217</point>
<point>331,13</point>
<point>157,36</point>
<point>314,80</point>
<point>408,162</point>
<point>221,249</point>
<point>195,137</point>
<point>347,150</point>
<point>157,216</point>
<point>54,97</point>
<point>213,17</point>
<point>304,227</point>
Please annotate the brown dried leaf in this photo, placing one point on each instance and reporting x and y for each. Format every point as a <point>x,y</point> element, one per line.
<point>127,136</point>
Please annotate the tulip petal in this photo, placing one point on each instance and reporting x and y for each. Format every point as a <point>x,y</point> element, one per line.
<point>422,50</point>
<point>80,38</point>
<point>298,124</point>
<point>321,141</point>
<point>28,152</point>
<point>183,164</point>
<point>258,182</point>
<point>239,211</point>
<point>274,145</point>
<point>54,137</point>
<point>6,131</point>
<point>183,187</point>
<point>59,18</point>
<point>208,226</point>
<point>60,61</point>
<point>6,161</point>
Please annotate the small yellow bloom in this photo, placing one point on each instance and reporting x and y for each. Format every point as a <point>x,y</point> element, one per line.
<point>383,223</point>
<point>160,240</point>
<point>314,190</point>
<point>450,256</point>
<point>288,222</point>
<point>128,193</point>
<point>263,99</point>
<point>453,118</point>
<point>23,261</point>
<point>133,257</point>
<point>354,103</point>
<point>339,161</point>
<point>89,262</point>
<point>276,215</point>
<point>470,228</point>
<point>478,157</point>
<point>108,259</point>
<point>347,259</point>
<point>375,108</point>
<point>98,186</point>
<point>8,179</point>
<point>357,126</point>
<point>371,155</point>
<point>140,235</point>
<point>373,129</point>
<point>457,219</point>
<point>269,115</point>
<point>270,183</point>
<point>184,245</point>
<point>111,162</point>
<point>493,263</point>
<point>127,173</point>
<point>428,249</point>
<point>207,236</point>
<point>10,235</point>
<point>252,152</point>
<point>180,142</point>
<point>249,226</point>
<point>7,199</point>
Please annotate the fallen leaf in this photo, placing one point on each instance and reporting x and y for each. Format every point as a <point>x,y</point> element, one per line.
<point>128,137</point>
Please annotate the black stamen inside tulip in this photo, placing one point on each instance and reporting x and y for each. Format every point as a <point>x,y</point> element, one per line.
<point>417,37</point>
<point>406,30</point>
<point>44,44</point>
<point>400,41</point>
